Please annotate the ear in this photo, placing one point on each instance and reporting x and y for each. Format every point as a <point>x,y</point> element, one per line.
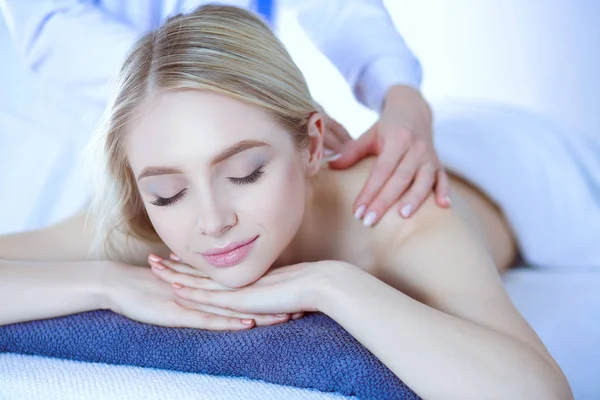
<point>314,155</point>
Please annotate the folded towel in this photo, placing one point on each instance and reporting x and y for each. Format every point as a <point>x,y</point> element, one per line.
<point>313,352</point>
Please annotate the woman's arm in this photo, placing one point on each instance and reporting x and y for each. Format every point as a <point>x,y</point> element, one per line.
<point>52,272</point>
<point>47,273</point>
<point>73,240</point>
<point>35,290</point>
<point>463,338</point>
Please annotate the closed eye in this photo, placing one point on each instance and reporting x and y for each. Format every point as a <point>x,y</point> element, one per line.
<point>253,177</point>
<point>165,201</point>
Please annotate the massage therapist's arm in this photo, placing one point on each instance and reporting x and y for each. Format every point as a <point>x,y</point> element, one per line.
<point>464,338</point>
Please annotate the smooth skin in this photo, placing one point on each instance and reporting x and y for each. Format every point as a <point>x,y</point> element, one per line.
<point>423,295</point>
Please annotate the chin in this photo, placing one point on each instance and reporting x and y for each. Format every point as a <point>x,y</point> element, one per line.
<point>238,276</point>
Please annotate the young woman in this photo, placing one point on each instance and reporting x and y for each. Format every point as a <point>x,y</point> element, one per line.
<point>212,151</point>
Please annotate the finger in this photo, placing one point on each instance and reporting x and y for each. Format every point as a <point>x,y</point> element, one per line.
<point>442,188</point>
<point>186,318</point>
<point>171,277</point>
<point>355,150</point>
<point>340,132</point>
<point>385,166</point>
<point>259,319</point>
<point>175,264</point>
<point>298,315</point>
<point>418,192</point>
<point>393,189</point>
<point>248,300</point>
<point>183,268</point>
<point>331,140</point>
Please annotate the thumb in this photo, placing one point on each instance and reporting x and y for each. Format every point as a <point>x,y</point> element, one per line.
<point>353,151</point>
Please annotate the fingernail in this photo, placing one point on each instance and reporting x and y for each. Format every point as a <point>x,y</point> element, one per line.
<point>406,210</point>
<point>335,157</point>
<point>359,212</point>
<point>174,257</point>
<point>158,265</point>
<point>247,321</point>
<point>281,315</point>
<point>370,218</point>
<point>177,285</point>
<point>154,257</point>
<point>327,152</point>
<point>448,200</point>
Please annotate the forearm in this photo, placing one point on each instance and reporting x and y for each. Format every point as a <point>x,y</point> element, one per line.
<point>35,290</point>
<point>360,39</point>
<point>438,355</point>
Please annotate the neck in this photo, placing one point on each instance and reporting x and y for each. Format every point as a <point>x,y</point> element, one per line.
<point>302,247</point>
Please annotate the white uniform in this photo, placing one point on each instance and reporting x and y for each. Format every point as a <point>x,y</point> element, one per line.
<point>72,49</point>
<point>82,43</point>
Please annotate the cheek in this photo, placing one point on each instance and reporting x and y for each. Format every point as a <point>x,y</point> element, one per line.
<point>171,227</point>
<point>281,206</point>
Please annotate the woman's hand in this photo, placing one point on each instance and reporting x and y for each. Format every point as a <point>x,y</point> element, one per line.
<point>178,274</point>
<point>407,167</point>
<point>291,290</point>
<point>137,294</point>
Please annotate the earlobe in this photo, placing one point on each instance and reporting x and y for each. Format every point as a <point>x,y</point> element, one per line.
<point>315,131</point>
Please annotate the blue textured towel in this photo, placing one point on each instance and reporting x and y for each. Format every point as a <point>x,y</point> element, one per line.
<point>313,352</point>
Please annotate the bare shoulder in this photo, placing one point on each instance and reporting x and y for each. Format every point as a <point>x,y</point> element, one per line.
<point>74,239</point>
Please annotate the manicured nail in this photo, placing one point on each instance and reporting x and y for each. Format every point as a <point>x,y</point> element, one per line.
<point>174,257</point>
<point>359,212</point>
<point>406,210</point>
<point>154,257</point>
<point>327,152</point>
<point>177,285</point>
<point>247,321</point>
<point>448,200</point>
<point>334,157</point>
<point>281,315</point>
<point>159,265</point>
<point>370,219</point>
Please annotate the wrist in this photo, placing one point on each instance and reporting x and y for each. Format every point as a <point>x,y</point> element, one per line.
<point>402,95</point>
<point>333,284</point>
<point>105,291</point>
<point>409,103</point>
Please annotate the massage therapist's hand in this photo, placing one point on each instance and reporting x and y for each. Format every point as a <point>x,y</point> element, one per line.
<point>335,135</point>
<point>137,294</point>
<point>176,273</point>
<point>407,166</point>
<point>292,289</point>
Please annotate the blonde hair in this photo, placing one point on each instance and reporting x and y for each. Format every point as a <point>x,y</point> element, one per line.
<point>219,49</point>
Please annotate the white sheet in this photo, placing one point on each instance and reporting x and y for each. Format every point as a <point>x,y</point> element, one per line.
<point>563,306</point>
<point>546,180</point>
<point>34,378</point>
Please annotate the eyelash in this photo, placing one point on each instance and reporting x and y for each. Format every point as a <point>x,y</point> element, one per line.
<point>167,201</point>
<point>253,177</point>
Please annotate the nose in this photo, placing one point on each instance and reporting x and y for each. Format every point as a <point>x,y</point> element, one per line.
<point>215,219</point>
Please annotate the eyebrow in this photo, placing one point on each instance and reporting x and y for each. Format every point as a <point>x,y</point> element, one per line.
<point>222,156</point>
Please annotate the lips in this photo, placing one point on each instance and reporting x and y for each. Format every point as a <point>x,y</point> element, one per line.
<point>230,255</point>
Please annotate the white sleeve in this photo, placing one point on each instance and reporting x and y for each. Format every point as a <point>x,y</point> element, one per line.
<point>71,42</point>
<point>360,39</point>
